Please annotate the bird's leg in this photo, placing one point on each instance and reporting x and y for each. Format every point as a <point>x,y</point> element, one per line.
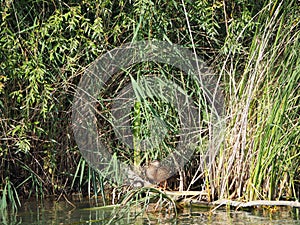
<point>163,184</point>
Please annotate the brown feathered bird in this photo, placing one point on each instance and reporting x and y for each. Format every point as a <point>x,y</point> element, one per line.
<point>156,173</point>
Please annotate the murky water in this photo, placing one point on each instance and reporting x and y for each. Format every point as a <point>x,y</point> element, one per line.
<point>51,212</point>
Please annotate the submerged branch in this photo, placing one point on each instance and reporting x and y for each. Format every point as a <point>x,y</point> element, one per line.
<point>256,203</point>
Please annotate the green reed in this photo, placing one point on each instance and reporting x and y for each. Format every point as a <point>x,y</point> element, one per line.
<point>46,46</point>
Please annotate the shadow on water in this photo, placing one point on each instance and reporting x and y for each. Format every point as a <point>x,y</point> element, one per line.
<point>85,212</point>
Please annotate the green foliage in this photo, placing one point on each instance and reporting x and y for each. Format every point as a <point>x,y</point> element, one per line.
<point>9,197</point>
<point>46,45</point>
<point>263,104</point>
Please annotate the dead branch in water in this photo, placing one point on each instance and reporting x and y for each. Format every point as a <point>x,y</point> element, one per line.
<point>237,204</point>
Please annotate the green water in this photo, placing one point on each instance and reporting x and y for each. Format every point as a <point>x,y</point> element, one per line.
<point>51,212</point>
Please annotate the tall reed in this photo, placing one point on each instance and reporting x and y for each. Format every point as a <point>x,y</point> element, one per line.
<point>260,158</point>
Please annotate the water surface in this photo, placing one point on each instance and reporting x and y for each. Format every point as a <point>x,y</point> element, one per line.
<point>51,212</point>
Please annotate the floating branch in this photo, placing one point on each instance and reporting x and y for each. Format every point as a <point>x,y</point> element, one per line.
<point>255,203</point>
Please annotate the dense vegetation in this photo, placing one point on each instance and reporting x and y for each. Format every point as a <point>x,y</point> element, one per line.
<point>254,48</point>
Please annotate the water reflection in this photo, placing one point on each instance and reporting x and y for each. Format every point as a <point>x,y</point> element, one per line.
<point>51,212</point>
